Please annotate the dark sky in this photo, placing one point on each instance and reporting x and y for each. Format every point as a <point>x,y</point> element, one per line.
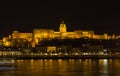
<point>25,16</point>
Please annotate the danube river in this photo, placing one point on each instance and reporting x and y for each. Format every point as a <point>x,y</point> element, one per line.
<point>63,67</point>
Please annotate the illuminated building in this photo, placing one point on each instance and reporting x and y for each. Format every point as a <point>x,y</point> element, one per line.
<point>40,34</point>
<point>48,34</point>
<point>51,49</point>
<point>17,34</point>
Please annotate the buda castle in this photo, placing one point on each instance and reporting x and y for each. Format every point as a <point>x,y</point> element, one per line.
<point>40,34</point>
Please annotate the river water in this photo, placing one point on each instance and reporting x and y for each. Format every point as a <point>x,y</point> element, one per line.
<point>63,67</point>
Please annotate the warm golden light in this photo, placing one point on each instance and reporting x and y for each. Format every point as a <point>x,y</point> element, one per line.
<point>41,34</point>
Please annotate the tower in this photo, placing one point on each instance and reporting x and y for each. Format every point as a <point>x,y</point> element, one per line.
<point>62,28</point>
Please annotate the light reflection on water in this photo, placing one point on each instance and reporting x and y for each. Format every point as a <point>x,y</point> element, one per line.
<point>63,67</point>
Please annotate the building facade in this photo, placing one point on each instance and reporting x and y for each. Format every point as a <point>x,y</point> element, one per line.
<point>40,34</point>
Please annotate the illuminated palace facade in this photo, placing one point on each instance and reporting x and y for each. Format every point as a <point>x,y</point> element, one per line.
<point>41,34</point>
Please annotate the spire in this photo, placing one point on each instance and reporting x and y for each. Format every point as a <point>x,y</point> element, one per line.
<point>62,21</point>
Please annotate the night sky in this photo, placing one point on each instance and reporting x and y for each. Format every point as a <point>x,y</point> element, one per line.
<point>25,16</point>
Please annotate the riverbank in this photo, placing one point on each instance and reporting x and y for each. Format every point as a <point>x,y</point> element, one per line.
<point>63,57</point>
